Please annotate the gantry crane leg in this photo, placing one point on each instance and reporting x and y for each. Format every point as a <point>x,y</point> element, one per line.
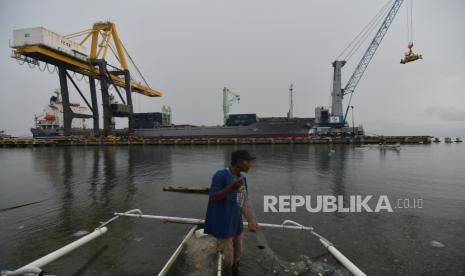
<point>67,112</point>
<point>107,114</point>
<point>127,87</point>
<point>93,98</point>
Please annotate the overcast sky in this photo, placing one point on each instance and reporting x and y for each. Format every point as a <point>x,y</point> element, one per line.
<point>190,50</point>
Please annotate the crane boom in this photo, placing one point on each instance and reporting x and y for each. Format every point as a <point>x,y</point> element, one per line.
<point>338,93</point>
<point>370,52</point>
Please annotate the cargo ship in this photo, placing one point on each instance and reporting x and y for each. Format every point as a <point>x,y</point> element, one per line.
<point>277,127</point>
<point>50,121</point>
<point>159,126</point>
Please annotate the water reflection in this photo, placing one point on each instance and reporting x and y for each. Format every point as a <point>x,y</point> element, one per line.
<point>84,185</point>
<point>68,198</point>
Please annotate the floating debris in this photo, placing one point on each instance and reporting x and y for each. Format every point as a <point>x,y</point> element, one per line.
<point>437,244</point>
<point>81,233</point>
<point>186,190</point>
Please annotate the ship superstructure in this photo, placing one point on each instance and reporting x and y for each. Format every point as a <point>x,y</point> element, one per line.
<point>50,121</point>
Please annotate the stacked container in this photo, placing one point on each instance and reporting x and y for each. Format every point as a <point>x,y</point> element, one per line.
<point>147,120</point>
<point>241,119</point>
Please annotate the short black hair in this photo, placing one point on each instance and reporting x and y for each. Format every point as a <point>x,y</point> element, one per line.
<point>240,155</point>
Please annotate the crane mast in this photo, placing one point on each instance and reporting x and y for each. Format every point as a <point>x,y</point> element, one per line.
<point>338,93</point>
<point>290,114</point>
<point>228,99</point>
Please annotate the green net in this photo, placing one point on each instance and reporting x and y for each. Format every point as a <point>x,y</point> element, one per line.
<point>199,257</point>
<point>260,259</point>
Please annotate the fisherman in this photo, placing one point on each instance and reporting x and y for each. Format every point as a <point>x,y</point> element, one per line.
<point>227,203</point>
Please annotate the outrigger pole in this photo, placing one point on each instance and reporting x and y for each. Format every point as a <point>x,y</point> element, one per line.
<point>35,267</point>
<point>287,224</point>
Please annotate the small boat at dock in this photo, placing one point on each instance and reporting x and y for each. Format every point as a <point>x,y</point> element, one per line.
<point>4,135</point>
<point>395,147</point>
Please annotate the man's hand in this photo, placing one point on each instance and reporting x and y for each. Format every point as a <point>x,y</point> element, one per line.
<point>252,226</point>
<point>236,184</point>
<point>220,195</point>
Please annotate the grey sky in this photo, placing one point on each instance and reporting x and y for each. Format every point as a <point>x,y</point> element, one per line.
<point>190,50</point>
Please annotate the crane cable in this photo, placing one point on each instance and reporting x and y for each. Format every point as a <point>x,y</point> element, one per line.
<point>134,64</point>
<point>368,33</point>
<point>131,60</point>
<point>355,44</point>
<point>76,34</point>
<point>136,99</point>
<point>357,37</point>
<point>409,11</point>
<point>84,32</point>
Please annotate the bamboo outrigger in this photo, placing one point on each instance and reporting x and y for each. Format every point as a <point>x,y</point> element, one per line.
<point>172,265</point>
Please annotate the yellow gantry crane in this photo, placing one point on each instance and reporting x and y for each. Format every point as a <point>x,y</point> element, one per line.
<point>34,45</point>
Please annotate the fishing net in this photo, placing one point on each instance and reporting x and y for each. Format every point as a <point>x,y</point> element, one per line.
<point>268,262</point>
<point>260,259</point>
<point>199,257</point>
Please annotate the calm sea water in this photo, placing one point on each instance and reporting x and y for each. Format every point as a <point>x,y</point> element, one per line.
<point>74,188</point>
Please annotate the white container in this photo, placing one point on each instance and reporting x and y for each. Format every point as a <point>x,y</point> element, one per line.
<point>47,38</point>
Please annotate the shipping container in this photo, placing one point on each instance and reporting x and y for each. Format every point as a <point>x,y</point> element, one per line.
<point>155,116</point>
<point>120,109</point>
<point>49,39</point>
<point>151,119</point>
<point>241,119</point>
<point>243,116</point>
<point>149,116</point>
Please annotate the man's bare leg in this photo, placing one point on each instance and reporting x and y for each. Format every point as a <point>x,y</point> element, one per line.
<point>237,244</point>
<point>226,246</point>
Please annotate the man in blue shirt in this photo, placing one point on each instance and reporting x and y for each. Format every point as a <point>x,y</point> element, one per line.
<point>227,203</point>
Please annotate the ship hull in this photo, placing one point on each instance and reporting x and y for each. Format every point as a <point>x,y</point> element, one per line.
<point>266,129</point>
<point>54,132</point>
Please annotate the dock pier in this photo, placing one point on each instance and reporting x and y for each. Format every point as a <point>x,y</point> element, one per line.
<point>114,140</point>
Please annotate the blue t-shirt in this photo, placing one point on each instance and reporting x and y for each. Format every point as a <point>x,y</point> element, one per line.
<point>224,217</point>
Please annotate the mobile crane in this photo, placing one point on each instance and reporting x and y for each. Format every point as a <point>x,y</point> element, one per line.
<point>228,99</point>
<point>338,116</point>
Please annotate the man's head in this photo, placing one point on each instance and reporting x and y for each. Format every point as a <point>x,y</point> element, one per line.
<point>241,159</point>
